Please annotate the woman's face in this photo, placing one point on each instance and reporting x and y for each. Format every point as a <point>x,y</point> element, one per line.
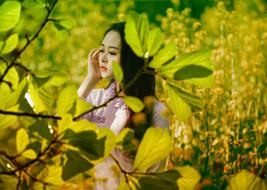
<point>109,51</point>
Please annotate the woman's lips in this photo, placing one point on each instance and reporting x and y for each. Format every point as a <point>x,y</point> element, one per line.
<point>103,69</point>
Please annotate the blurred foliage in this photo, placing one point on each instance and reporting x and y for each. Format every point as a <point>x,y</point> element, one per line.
<point>224,140</point>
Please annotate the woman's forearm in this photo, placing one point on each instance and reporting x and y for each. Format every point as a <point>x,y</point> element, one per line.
<point>87,85</point>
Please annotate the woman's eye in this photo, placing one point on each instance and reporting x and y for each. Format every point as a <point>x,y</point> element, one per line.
<point>112,53</point>
<point>101,50</point>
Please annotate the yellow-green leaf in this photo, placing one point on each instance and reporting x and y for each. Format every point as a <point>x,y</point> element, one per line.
<point>189,98</point>
<point>178,106</point>
<point>1,44</point>
<point>104,83</point>
<point>29,154</point>
<point>82,106</point>
<point>10,44</point>
<point>154,41</point>
<point>198,58</point>
<point>246,181</point>
<point>54,175</point>
<point>118,73</point>
<point>22,140</point>
<point>12,75</point>
<point>110,139</point>
<point>9,15</point>
<point>8,120</point>
<point>66,99</point>
<point>64,24</point>
<point>164,55</point>
<point>155,146</point>
<point>77,126</point>
<point>189,179</point>
<point>134,103</point>
<point>192,71</point>
<point>34,99</point>
<point>136,28</point>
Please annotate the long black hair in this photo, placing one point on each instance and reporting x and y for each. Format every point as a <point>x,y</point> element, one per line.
<point>130,64</point>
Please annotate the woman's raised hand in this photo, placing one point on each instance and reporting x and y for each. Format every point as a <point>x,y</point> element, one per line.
<point>93,66</point>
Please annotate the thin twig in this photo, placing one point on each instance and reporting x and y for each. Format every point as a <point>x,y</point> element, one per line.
<point>30,115</point>
<point>37,159</point>
<point>122,170</point>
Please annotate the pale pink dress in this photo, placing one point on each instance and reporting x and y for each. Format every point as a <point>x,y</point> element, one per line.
<point>114,116</point>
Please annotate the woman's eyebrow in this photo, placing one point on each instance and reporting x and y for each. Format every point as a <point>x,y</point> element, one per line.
<point>111,47</point>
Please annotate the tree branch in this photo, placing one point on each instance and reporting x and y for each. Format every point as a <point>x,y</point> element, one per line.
<point>20,65</point>
<point>122,170</point>
<point>29,115</point>
<point>37,159</point>
<point>29,41</point>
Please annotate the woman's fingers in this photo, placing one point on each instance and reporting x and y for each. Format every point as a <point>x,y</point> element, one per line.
<point>92,53</point>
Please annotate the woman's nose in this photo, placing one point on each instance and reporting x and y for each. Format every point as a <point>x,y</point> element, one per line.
<point>104,58</point>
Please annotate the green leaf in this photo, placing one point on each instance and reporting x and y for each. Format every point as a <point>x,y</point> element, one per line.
<point>155,146</point>
<point>41,80</point>
<point>154,41</point>
<point>110,139</point>
<point>12,75</point>
<point>246,181</point>
<point>41,129</point>
<point>82,106</point>
<point>64,24</point>
<point>8,182</point>
<point>136,28</point>
<point>199,58</point>
<point>118,73</point>
<point>192,71</point>
<point>134,103</point>
<point>8,120</point>
<point>104,83</point>
<point>190,99</point>
<point>35,99</point>
<point>10,44</point>
<point>124,139</point>
<point>190,177</point>
<point>164,55</point>
<point>206,82</point>
<point>13,98</point>
<point>75,164</point>
<point>77,126</point>
<point>9,15</point>
<point>29,154</point>
<point>66,99</point>
<point>22,140</point>
<point>88,142</point>
<point>33,3</point>
<point>56,78</point>
<point>160,181</point>
<point>178,106</point>
<point>1,45</point>
<point>54,175</point>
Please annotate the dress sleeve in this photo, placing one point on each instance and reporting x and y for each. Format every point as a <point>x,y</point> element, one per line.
<point>120,120</point>
<point>95,97</point>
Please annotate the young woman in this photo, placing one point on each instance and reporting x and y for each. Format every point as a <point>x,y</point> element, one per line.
<point>116,115</point>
